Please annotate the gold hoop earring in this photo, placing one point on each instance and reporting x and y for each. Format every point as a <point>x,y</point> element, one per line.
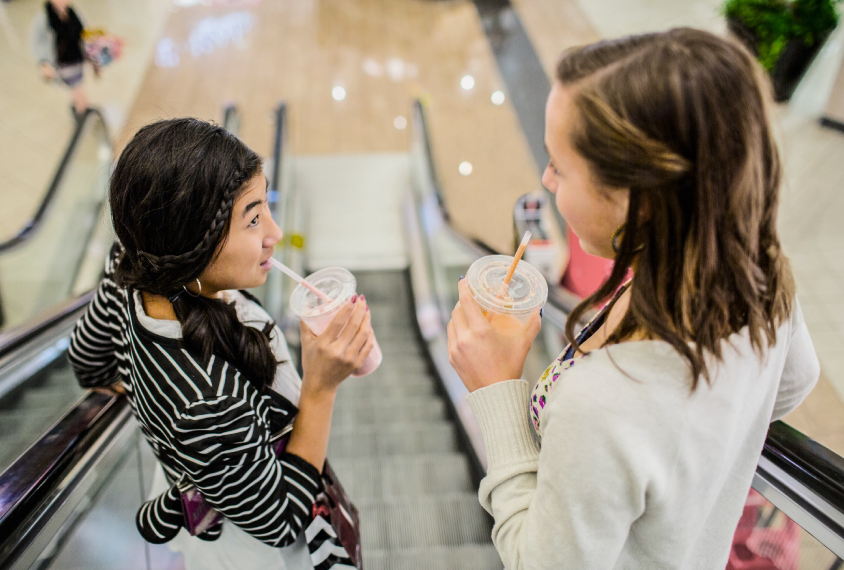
<point>198,284</point>
<point>616,238</point>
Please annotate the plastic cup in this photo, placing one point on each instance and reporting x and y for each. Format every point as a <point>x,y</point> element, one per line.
<point>339,285</point>
<point>526,293</point>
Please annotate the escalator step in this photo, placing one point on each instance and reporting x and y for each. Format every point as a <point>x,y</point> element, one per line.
<point>397,368</point>
<point>388,411</point>
<point>378,380</point>
<point>376,441</point>
<point>387,391</point>
<point>402,476</point>
<point>401,348</point>
<point>452,519</point>
<point>470,557</point>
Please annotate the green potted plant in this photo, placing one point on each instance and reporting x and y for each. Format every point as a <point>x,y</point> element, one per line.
<point>785,35</point>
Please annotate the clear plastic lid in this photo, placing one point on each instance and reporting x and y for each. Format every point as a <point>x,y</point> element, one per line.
<point>338,283</point>
<point>527,290</point>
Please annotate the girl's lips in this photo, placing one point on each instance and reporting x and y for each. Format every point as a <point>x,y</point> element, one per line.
<point>266,265</point>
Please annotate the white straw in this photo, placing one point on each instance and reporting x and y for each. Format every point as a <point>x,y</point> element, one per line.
<point>298,278</point>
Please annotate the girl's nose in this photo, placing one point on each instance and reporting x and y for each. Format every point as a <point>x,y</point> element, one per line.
<point>274,234</point>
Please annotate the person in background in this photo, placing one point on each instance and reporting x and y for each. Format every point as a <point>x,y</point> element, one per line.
<point>58,49</point>
<point>638,445</point>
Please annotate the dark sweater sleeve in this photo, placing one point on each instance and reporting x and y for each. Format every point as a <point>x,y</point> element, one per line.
<point>224,445</point>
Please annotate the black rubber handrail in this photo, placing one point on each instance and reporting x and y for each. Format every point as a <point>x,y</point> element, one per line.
<point>32,482</point>
<point>230,115</point>
<point>558,296</point>
<point>33,224</point>
<point>807,461</point>
<point>278,150</point>
<point>15,338</point>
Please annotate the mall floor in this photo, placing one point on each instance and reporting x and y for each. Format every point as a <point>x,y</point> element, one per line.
<point>189,57</point>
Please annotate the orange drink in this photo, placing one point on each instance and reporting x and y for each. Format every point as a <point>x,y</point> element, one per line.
<point>509,307</point>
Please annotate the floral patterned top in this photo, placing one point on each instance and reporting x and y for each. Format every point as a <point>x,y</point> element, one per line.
<point>565,361</point>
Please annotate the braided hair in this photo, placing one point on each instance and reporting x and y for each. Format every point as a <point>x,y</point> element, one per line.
<point>171,197</point>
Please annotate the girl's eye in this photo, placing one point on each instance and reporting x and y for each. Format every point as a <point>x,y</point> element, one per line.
<point>254,221</point>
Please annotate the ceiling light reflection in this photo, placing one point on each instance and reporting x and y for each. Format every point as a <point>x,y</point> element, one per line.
<point>338,93</point>
<point>465,168</point>
<point>497,98</point>
<point>400,122</point>
<point>467,82</point>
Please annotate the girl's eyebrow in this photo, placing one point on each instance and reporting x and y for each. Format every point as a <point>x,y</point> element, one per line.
<point>257,202</point>
<point>252,205</point>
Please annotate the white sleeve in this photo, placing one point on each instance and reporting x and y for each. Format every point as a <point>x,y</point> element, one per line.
<point>573,505</point>
<point>801,370</point>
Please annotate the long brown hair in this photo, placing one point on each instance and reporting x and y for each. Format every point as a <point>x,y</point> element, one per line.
<point>681,119</point>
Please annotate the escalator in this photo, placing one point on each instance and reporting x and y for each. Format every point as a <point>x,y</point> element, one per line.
<point>404,442</point>
<point>43,268</point>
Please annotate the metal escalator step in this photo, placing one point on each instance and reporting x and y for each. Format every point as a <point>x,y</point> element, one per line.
<point>401,439</point>
<point>377,381</point>
<point>402,410</point>
<point>392,367</point>
<point>399,387</point>
<point>402,476</point>
<point>452,519</point>
<point>470,557</point>
<point>392,344</point>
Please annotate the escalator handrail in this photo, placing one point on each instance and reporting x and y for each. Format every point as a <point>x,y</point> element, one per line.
<point>61,458</point>
<point>230,115</point>
<point>278,149</point>
<point>813,465</point>
<point>818,469</point>
<point>34,223</point>
<point>559,297</point>
<point>15,338</point>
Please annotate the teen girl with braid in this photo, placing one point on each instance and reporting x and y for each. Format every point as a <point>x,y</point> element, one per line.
<point>638,445</point>
<point>205,369</point>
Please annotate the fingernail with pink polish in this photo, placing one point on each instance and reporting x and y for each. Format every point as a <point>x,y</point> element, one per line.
<point>354,299</point>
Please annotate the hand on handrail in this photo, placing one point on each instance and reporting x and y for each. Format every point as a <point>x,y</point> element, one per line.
<point>115,389</point>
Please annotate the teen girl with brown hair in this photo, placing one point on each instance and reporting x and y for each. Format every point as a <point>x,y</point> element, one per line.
<point>638,445</point>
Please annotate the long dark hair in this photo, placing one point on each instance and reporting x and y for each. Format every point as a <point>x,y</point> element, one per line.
<point>681,119</point>
<point>171,198</point>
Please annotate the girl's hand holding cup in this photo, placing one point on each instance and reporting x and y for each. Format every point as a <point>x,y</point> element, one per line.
<point>496,319</point>
<point>479,353</point>
<point>332,356</point>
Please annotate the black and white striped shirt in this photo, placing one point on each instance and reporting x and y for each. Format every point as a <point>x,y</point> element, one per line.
<point>202,418</point>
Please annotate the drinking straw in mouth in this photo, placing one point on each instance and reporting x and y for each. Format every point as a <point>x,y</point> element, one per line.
<point>519,252</point>
<point>298,278</point>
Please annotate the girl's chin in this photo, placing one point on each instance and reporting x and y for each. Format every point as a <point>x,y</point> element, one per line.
<point>595,251</point>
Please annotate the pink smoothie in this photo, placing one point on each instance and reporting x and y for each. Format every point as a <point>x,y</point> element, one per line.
<point>339,284</point>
